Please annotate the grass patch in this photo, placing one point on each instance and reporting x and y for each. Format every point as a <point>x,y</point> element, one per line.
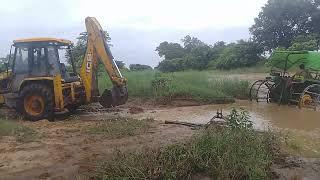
<point>233,152</point>
<point>121,127</point>
<point>20,132</point>
<point>259,68</point>
<point>197,85</point>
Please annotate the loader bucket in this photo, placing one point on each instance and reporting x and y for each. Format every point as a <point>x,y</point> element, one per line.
<point>115,97</point>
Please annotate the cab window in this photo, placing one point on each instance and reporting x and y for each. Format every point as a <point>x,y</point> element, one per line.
<point>21,60</point>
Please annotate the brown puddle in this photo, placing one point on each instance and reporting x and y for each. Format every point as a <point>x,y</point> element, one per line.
<point>283,116</point>
<point>262,114</point>
<point>302,126</point>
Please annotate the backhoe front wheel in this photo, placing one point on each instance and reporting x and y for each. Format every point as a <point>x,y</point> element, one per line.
<point>36,102</point>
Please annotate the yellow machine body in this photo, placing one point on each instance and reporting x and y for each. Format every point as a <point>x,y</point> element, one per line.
<point>66,93</point>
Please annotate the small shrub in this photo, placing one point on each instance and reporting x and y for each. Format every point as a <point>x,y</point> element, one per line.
<point>161,87</point>
<point>239,119</point>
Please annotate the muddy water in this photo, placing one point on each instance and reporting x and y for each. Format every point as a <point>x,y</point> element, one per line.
<point>262,114</point>
<point>300,126</point>
<point>284,117</point>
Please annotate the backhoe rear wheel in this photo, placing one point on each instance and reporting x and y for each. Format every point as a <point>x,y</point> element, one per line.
<point>36,102</point>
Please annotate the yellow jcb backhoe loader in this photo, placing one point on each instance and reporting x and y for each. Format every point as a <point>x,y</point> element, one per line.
<point>36,82</point>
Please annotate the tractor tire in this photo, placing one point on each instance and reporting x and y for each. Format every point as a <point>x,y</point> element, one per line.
<point>36,102</point>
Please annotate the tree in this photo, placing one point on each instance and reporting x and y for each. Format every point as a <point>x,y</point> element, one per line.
<point>281,21</point>
<point>4,62</point>
<point>240,54</point>
<point>309,42</point>
<point>173,65</point>
<point>199,57</point>
<point>139,67</point>
<point>79,50</point>
<point>170,50</point>
<point>194,54</point>
<point>190,43</point>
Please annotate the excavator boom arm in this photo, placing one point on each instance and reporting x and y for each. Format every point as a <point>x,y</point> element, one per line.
<point>98,50</point>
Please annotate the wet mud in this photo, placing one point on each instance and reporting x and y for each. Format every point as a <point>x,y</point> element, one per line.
<point>65,152</point>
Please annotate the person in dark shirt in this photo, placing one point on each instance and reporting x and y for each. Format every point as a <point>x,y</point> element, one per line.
<point>302,74</point>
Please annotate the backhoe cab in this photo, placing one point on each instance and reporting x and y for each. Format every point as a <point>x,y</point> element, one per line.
<point>37,83</point>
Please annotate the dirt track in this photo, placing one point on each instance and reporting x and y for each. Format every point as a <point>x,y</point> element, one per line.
<point>66,152</point>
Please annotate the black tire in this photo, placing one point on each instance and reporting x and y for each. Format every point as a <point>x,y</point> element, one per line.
<point>42,92</point>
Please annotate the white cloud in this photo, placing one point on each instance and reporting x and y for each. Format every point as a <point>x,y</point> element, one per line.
<point>136,26</point>
<point>138,14</point>
<point>173,14</point>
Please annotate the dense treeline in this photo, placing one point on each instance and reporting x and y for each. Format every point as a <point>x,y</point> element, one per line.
<point>282,24</point>
<point>195,54</point>
<point>139,67</point>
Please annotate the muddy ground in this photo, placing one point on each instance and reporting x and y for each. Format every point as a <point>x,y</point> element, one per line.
<point>65,151</point>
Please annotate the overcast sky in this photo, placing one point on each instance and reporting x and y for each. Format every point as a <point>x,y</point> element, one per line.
<point>135,26</point>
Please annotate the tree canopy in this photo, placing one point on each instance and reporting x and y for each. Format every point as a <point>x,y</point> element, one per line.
<point>240,54</point>
<point>3,62</point>
<point>281,21</point>
<point>170,50</point>
<point>139,67</point>
<point>305,42</point>
<point>79,49</point>
<point>191,43</point>
<point>195,54</point>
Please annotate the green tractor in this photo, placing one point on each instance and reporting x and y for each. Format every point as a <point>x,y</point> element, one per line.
<point>285,87</point>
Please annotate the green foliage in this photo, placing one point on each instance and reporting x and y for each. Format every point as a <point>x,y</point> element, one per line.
<point>4,63</point>
<point>78,51</point>
<point>282,20</point>
<point>139,67</point>
<point>195,54</point>
<point>227,153</point>
<point>239,119</point>
<point>200,56</point>
<point>191,43</point>
<point>160,85</point>
<point>199,85</point>
<point>241,54</point>
<point>170,50</point>
<point>173,65</point>
<point>305,42</point>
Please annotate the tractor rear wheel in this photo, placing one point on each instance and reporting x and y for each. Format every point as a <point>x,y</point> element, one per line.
<point>36,102</point>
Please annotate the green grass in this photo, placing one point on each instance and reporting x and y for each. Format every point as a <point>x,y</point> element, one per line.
<point>120,127</point>
<point>200,85</point>
<point>20,132</point>
<point>261,67</point>
<point>255,69</point>
<point>232,152</point>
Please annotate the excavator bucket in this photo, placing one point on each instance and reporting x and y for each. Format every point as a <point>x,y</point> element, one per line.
<point>115,97</point>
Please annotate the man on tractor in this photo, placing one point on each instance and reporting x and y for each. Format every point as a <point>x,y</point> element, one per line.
<point>302,74</point>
